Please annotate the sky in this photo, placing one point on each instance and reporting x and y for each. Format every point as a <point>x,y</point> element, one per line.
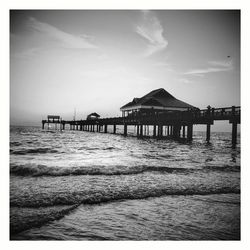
<point>99,60</point>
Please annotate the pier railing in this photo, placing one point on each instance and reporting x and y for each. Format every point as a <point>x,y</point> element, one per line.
<point>195,116</point>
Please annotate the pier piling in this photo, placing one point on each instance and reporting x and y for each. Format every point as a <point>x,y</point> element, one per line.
<point>125,130</point>
<point>190,132</point>
<point>183,131</point>
<point>234,133</point>
<point>154,131</point>
<point>208,132</point>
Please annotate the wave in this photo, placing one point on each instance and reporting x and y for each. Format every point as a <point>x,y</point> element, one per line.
<point>25,218</point>
<point>33,151</point>
<point>225,168</point>
<point>43,170</point>
<point>15,143</point>
<point>96,148</point>
<point>97,197</point>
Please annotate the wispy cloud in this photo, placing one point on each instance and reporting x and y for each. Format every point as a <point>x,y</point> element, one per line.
<point>151,30</point>
<point>184,80</point>
<point>213,66</point>
<point>67,40</point>
<point>103,72</point>
<point>26,54</point>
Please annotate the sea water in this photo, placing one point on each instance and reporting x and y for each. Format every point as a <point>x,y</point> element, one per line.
<point>76,185</point>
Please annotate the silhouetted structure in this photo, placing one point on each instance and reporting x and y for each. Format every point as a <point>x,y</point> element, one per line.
<point>157,101</point>
<point>160,110</point>
<point>93,116</point>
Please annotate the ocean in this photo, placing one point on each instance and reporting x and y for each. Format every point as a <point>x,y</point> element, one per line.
<point>76,185</point>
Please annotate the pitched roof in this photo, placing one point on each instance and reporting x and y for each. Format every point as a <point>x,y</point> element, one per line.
<point>94,114</point>
<point>158,97</point>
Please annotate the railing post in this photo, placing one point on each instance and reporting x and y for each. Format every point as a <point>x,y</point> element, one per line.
<point>208,110</point>
<point>233,111</point>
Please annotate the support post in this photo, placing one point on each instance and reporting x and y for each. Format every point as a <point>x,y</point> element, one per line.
<point>114,131</point>
<point>154,131</point>
<point>168,131</point>
<point>159,131</point>
<point>43,125</point>
<point>190,132</point>
<point>125,129</point>
<point>234,133</point>
<point>105,128</point>
<point>176,131</point>
<point>141,130</point>
<point>208,132</point>
<point>183,131</point>
<point>138,130</point>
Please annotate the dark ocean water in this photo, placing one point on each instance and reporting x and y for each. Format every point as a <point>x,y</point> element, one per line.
<point>76,185</point>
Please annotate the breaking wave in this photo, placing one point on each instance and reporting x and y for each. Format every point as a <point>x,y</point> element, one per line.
<point>43,170</point>
<point>33,151</point>
<point>81,197</point>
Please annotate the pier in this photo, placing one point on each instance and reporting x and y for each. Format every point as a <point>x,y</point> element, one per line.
<point>175,125</point>
<point>167,117</point>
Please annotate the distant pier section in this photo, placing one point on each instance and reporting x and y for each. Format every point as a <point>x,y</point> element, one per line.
<point>167,117</point>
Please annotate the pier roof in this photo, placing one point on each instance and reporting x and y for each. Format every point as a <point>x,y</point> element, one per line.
<point>94,114</point>
<point>158,98</point>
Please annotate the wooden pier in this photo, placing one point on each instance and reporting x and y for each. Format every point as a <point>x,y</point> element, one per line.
<point>177,125</point>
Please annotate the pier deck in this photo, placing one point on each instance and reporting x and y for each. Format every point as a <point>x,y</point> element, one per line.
<point>175,123</point>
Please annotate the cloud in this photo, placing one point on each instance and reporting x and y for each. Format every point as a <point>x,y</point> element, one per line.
<point>214,66</point>
<point>184,80</point>
<point>67,40</point>
<point>152,31</point>
<point>26,54</point>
